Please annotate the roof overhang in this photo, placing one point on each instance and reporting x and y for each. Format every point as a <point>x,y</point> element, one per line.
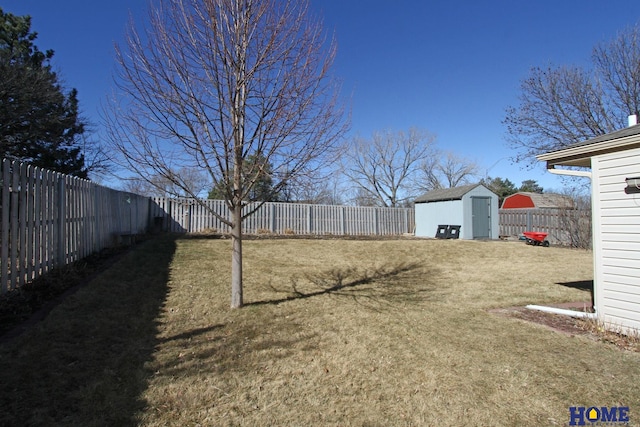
<point>580,154</point>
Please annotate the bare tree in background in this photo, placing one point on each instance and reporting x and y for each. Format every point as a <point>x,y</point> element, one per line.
<point>563,105</point>
<point>320,191</point>
<point>617,65</point>
<point>384,167</point>
<point>193,179</point>
<point>575,220</point>
<point>208,83</point>
<point>446,170</point>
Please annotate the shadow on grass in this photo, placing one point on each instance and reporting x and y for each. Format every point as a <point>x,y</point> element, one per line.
<point>583,285</point>
<point>383,285</point>
<point>245,345</point>
<point>260,334</point>
<point>85,363</point>
<point>194,333</point>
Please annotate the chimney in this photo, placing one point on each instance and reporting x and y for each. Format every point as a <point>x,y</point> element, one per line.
<point>633,120</point>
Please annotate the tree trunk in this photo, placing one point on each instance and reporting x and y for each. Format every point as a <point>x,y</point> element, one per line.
<point>236,258</point>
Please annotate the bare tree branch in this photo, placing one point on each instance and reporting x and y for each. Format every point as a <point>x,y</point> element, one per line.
<point>384,167</point>
<point>209,83</point>
<point>618,67</point>
<point>446,170</point>
<point>563,105</point>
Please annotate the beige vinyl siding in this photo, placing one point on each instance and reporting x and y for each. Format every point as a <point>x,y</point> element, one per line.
<point>617,232</point>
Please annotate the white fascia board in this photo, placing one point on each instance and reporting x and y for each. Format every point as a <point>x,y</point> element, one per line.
<point>590,150</point>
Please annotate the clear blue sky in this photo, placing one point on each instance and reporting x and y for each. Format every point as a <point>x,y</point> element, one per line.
<point>450,67</point>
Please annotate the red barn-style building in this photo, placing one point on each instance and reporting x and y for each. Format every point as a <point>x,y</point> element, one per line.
<point>524,200</point>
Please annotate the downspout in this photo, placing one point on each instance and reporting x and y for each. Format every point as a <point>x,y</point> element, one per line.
<point>555,310</point>
<point>572,313</point>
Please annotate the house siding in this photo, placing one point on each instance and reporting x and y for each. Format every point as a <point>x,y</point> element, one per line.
<point>617,239</point>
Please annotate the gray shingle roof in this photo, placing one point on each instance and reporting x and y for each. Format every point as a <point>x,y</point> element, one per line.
<point>446,194</point>
<point>548,200</point>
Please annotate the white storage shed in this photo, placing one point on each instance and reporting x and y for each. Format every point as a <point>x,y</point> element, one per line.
<point>473,208</point>
<point>614,160</point>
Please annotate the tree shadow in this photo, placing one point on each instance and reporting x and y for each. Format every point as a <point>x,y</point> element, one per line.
<point>234,347</point>
<point>84,363</point>
<point>376,286</point>
<point>194,333</point>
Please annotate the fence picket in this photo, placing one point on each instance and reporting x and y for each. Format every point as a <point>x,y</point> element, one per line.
<point>49,220</point>
<point>4,230</point>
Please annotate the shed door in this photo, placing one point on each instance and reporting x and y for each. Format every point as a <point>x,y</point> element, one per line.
<point>481,212</point>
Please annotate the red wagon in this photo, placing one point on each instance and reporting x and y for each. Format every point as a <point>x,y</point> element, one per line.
<point>536,238</point>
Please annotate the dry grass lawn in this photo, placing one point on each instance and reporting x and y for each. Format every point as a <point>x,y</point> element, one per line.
<point>335,332</point>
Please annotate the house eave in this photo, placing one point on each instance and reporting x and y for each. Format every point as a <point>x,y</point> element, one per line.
<point>581,155</point>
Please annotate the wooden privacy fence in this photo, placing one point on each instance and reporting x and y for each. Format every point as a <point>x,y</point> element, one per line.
<point>564,226</point>
<point>49,220</point>
<point>188,215</point>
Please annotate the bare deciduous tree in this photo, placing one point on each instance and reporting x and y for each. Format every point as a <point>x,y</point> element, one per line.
<point>193,179</point>
<point>618,67</point>
<point>446,170</point>
<point>384,167</point>
<point>318,191</point>
<point>208,83</point>
<point>575,219</point>
<point>563,105</point>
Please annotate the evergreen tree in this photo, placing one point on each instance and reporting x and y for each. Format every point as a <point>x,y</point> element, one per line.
<point>259,171</point>
<point>502,187</point>
<point>531,186</point>
<point>39,122</point>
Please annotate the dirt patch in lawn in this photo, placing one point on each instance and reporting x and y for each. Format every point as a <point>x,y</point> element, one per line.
<point>571,326</point>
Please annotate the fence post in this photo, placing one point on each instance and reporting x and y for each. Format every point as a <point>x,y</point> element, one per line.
<point>406,220</point>
<point>272,217</point>
<point>189,214</point>
<point>97,234</point>
<point>4,251</point>
<point>23,222</point>
<point>62,217</point>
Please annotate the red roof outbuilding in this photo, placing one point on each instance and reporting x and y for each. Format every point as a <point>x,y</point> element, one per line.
<point>525,200</point>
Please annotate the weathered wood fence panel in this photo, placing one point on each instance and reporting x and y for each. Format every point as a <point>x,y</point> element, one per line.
<point>564,226</point>
<point>188,215</point>
<point>48,220</point>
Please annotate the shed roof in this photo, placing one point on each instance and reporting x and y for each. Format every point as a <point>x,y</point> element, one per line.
<point>445,194</point>
<point>545,200</point>
<point>579,154</point>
